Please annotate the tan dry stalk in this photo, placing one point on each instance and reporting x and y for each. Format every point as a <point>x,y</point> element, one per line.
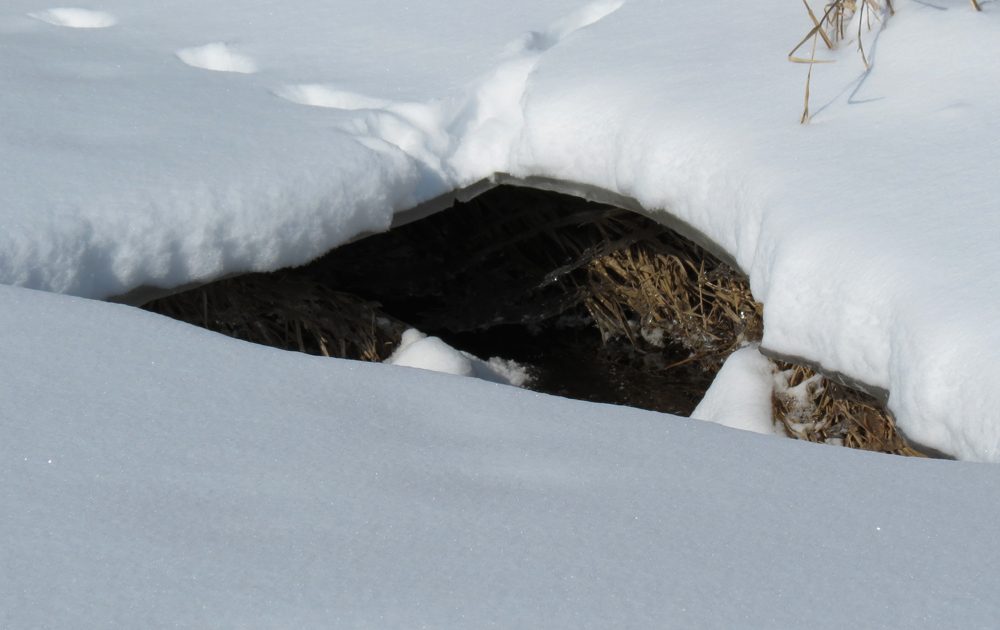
<point>677,288</point>
<point>287,312</point>
<point>832,29</point>
<point>814,408</point>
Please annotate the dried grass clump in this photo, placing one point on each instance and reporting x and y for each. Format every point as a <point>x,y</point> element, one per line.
<point>814,408</point>
<point>287,312</point>
<point>832,28</point>
<point>677,288</point>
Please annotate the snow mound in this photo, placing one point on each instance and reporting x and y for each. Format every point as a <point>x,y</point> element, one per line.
<point>76,18</point>
<point>417,350</point>
<point>740,395</point>
<point>218,57</point>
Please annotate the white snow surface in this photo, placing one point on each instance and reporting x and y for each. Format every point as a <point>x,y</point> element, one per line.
<point>869,234</point>
<point>740,395</point>
<point>75,18</point>
<point>417,350</point>
<point>153,474</point>
<point>218,57</point>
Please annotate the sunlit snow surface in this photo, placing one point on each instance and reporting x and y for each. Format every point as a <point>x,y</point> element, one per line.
<point>154,475</point>
<point>417,350</point>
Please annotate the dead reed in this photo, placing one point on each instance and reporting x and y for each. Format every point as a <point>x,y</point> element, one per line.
<point>672,288</point>
<point>814,408</point>
<point>832,28</point>
<point>288,312</point>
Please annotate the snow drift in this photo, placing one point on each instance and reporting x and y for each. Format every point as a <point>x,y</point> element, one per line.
<point>869,234</point>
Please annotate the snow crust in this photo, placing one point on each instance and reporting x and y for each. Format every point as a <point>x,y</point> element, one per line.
<point>153,474</point>
<point>869,234</point>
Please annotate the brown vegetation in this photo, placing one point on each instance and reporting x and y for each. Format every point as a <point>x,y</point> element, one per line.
<point>288,312</point>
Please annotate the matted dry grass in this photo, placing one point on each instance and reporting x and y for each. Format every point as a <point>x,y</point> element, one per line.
<point>288,312</point>
<point>685,292</point>
<point>814,408</point>
<point>678,290</point>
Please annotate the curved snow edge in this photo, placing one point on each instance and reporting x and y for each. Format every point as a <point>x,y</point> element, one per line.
<point>143,294</point>
<point>146,293</point>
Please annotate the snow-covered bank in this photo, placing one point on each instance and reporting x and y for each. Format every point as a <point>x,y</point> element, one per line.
<point>171,143</point>
<point>153,474</point>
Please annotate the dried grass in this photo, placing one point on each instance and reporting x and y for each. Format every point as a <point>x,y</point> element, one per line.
<point>832,28</point>
<point>814,408</point>
<point>680,289</point>
<point>288,312</point>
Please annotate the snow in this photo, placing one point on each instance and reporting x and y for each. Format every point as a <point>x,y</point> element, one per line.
<point>154,474</point>
<point>869,234</point>
<point>740,395</point>
<point>75,18</point>
<point>417,350</point>
<point>218,57</point>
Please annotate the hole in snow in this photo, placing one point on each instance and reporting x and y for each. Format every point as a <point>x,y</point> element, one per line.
<point>535,289</point>
<point>75,18</point>
<point>218,57</point>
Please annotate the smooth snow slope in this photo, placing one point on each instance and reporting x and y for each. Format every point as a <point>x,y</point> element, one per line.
<point>158,144</point>
<point>156,475</point>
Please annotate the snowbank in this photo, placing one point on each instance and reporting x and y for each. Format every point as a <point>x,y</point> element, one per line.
<point>154,474</point>
<point>869,234</point>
